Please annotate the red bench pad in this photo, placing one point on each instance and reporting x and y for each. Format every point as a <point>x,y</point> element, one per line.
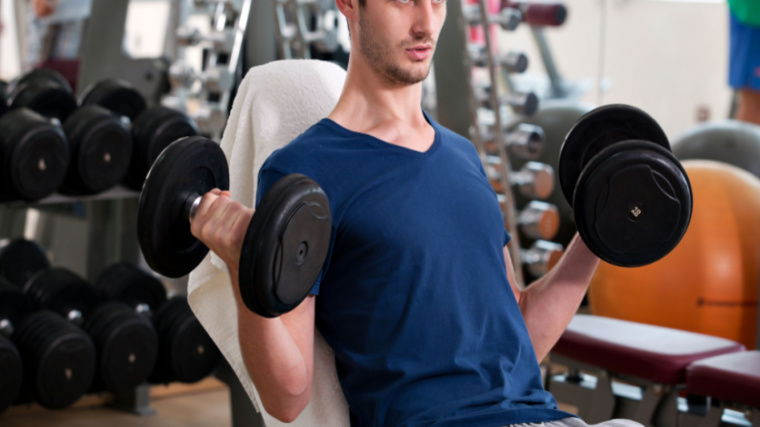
<point>653,353</point>
<point>732,377</point>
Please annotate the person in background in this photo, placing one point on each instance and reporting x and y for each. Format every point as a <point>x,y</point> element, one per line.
<point>744,58</point>
<point>54,35</point>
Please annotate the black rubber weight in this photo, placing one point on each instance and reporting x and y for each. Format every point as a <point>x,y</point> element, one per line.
<point>188,166</point>
<point>62,291</point>
<point>59,359</point>
<point>116,95</point>
<point>152,131</point>
<point>632,203</point>
<point>101,149</point>
<point>14,305</point>
<point>285,246</point>
<point>11,376</point>
<point>186,352</point>
<point>44,91</point>
<point>127,346</point>
<point>129,284</point>
<point>20,259</point>
<point>35,155</point>
<point>597,130</point>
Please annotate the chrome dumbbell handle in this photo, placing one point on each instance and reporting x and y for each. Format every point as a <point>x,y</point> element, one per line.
<point>513,61</point>
<point>541,257</point>
<point>217,79</point>
<point>526,140</point>
<point>524,103</point>
<point>222,40</point>
<point>539,220</point>
<point>508,18</point>
<point>534,180</point>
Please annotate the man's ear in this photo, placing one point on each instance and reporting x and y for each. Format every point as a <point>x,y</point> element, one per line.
<point>349,8</point>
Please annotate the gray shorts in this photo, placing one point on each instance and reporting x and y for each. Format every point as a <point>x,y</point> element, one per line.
<point>577,422</point>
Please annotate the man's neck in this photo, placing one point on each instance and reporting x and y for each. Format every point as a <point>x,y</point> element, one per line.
<point>371,101</point>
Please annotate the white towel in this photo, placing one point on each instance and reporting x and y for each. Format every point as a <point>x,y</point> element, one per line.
<point>275,103</point>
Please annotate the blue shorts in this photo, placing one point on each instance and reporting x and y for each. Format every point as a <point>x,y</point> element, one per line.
<point>744,56</point>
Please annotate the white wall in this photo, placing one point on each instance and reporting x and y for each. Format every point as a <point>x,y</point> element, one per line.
<point>10,65</point>
<point>666,57</point>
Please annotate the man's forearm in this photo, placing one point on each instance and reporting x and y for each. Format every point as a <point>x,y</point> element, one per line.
<point>549,304</point>
<point>275,361</point>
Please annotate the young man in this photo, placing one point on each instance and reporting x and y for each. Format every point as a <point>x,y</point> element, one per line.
<point>418,297</point>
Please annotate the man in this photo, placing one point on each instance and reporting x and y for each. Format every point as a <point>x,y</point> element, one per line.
<point>418,297</point>
<point>744,58</point>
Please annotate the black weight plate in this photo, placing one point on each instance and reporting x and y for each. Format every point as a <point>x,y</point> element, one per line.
<point>62,291</point>
<point>11,370</point>
<point>20,259</point>
<point>633,203</point>
<point>14,305</point>
<point>42,75</point>
<point>127,346</point>
<point>129,284</point>
<point>163,320</point>
<point>101,149</point>
<point>59,359</point>
<point>194,355</point>
<point>285,246</point>
<point>152,131</point>
<point>189,166</point>
<point>35,155</point>
<point>597,130</point>
<point>44,91</point>
<point>115,95</point>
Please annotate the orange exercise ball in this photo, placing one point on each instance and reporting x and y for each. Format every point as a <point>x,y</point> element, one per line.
<point>709,282</point>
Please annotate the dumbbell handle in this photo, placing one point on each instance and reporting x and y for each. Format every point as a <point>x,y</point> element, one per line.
<point>6,327</point>
<point>508,18</point>
<point>191,206</point>
<point>539,14</point>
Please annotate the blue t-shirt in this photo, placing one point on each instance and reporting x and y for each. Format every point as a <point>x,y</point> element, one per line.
<point>414,298</point>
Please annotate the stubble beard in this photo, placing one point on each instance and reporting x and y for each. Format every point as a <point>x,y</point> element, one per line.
<point>379,57</point>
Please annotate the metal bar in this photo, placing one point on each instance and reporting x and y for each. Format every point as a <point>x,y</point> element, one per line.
<point>509,209</point>
<point>555,81</point>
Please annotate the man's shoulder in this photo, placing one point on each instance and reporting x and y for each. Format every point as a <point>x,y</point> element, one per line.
<point>302,150</point>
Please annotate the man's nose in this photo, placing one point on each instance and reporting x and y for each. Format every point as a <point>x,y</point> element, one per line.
<point>423,18</point>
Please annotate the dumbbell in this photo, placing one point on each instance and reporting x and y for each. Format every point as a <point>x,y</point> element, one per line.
<point>185,351</point>
<point>58,357</point>
<point>20,259</point>
<point>126,343</point>
<point>152,128</point>
<point>541,257</point>
<point>525,103</point>
<point>512,61</point>
<point>534,180</point>
<point>526,141</point>
<point>34,153</point>
<point>286,242</point>
<point>101,148</point>
<point>508,18</point>
<point>222,41</point>
<point>631,197</point>
<point>539,14</point>
<point>43,91</point>
<point>14,306</point>
<point>217,79</point>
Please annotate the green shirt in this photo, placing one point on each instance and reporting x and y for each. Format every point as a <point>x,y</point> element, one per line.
<point>746,11</point>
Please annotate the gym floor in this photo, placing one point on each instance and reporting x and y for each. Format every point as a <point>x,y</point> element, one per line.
<point>203,404</point>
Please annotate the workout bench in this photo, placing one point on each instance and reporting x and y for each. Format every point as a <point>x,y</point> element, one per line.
<point>622,369</point>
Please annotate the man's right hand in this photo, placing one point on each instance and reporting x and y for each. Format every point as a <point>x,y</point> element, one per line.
<point>221,223</point>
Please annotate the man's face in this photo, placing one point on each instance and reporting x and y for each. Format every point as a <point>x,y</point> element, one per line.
<point>398,37</point>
